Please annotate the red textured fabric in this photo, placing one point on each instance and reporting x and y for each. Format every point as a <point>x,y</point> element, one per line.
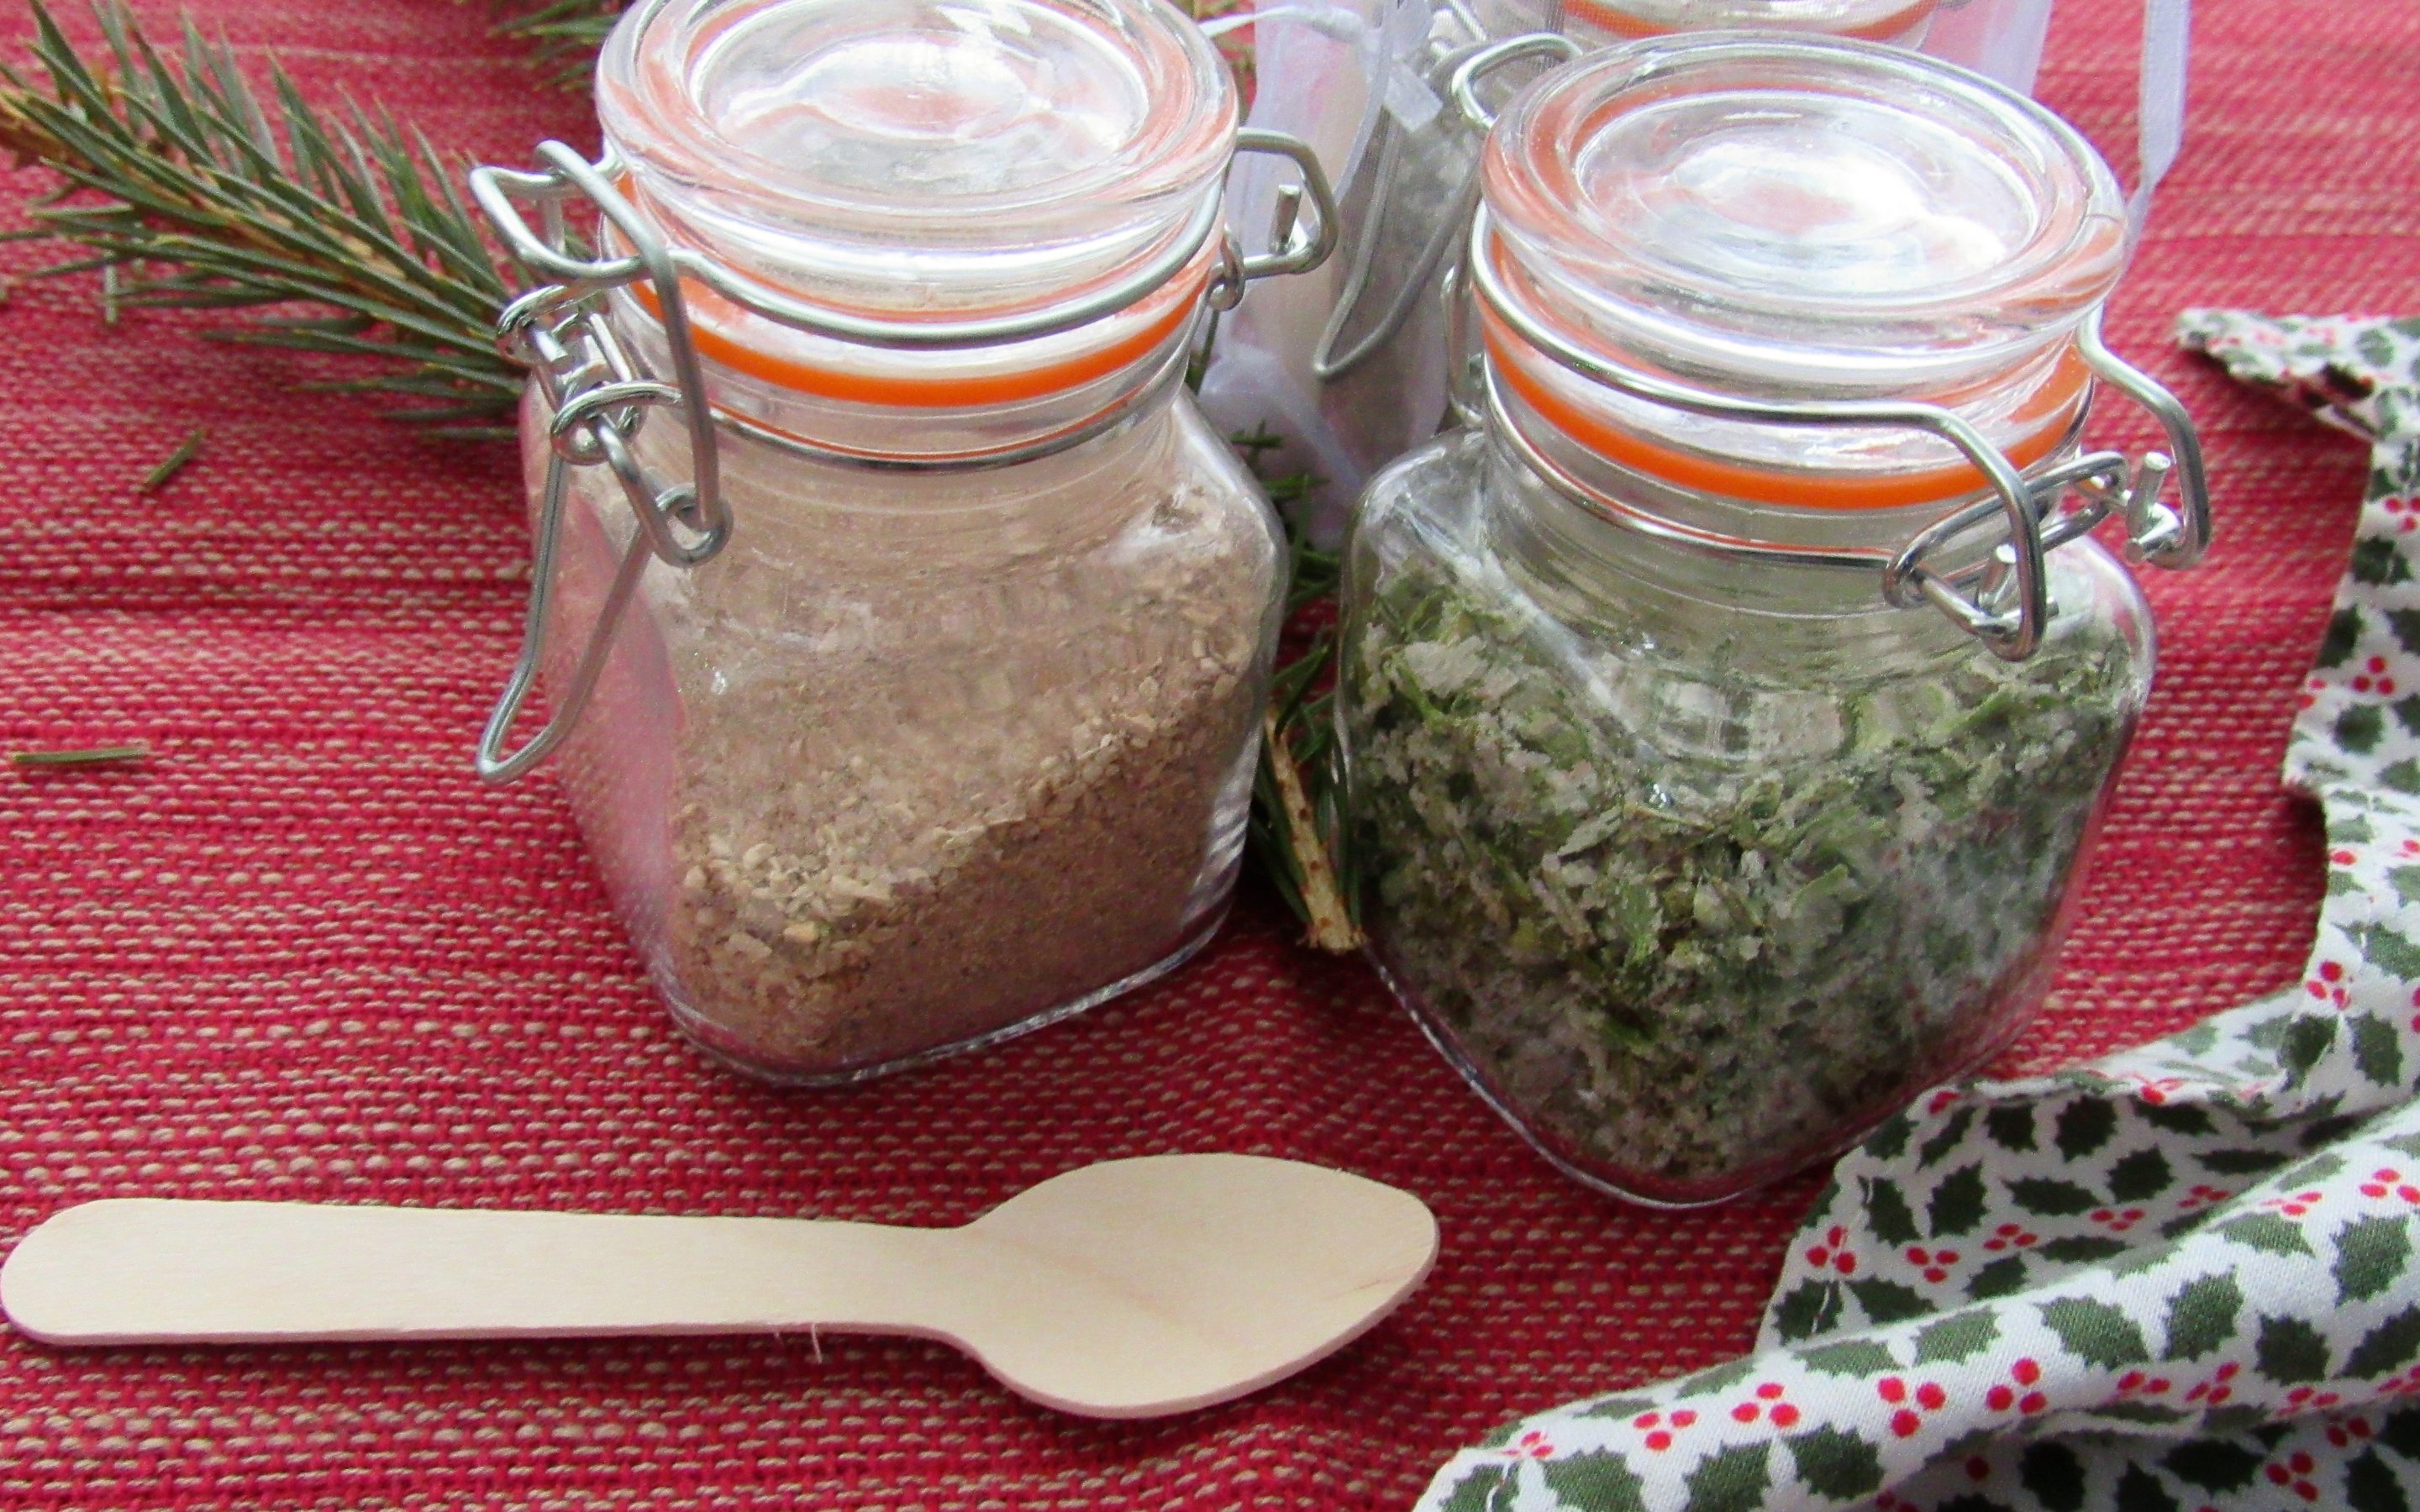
<point>304,953</point>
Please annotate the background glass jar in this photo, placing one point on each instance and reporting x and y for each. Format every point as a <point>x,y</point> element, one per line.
<point>1350,368</point>
<point>1727,720</point>
<point>907,629</point>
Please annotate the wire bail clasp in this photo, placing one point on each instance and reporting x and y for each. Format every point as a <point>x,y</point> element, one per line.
<point>599,399</point>
<point>2002,599</point>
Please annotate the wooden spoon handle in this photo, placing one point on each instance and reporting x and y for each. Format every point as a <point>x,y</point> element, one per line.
<point>152,1271</point>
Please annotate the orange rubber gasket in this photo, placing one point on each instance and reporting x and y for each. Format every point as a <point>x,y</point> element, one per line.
<point>1615,22</point>
<point>2048,414</point>
<point>706,307</point>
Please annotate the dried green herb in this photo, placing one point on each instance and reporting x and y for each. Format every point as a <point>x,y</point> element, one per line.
<point>86,756</point>
<point>1695,921</point>
<point>175,462</point>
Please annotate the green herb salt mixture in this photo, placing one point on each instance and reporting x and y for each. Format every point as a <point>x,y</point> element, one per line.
<point>1698,916</point>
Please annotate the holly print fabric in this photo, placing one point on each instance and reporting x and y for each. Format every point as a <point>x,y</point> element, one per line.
<point>2179,1278</point>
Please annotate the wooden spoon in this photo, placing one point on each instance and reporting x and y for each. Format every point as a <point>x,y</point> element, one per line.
<point>1130,1289</point>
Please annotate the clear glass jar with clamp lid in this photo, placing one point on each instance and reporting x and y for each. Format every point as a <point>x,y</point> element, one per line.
<point>1729,716</point>
<point>906,628</point>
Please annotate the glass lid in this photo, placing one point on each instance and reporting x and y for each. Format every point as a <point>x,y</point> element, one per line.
<point>923,157</point>
<point>1796,216</point>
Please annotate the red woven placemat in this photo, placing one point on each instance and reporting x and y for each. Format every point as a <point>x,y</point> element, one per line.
<point>303,954</point>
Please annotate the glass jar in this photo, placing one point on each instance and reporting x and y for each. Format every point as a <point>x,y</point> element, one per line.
<point>1729,716</point>
<point>906,628</point>
<point>1377,360</point>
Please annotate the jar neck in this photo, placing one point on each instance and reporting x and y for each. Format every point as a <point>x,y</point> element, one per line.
<point>852,521</point>
<point>929,409</point>
<point>1609,554</point>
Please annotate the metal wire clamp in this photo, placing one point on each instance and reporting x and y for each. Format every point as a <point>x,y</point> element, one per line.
<point>2012,574</point>
<point>598,398</point>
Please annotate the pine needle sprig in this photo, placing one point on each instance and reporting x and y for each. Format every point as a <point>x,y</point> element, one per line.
<point>563,35</point>
<point>177,176</point>
<point>1296,833</point>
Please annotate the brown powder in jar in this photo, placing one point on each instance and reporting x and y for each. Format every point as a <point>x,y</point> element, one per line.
<point>938,773</point>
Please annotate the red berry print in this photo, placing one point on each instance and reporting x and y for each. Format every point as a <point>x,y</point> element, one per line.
<point>1768,1394</point>
<point>1832,1253</point>
<point>1934,1264</point>
<point>1531,1445</point>
<point>2203,1195</point>
<point>2215,1390</point>
<point>2293,1204</point>
<point>2387,1179</point>
<point>1927,1395</point>
<point>2011,1236</point>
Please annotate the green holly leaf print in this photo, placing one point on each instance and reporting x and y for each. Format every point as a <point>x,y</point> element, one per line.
<point>1952,1132</point>
<point>1715,1378</point>
<point>2095,1331</point>
<point>2052,1197</point>
<point>1958,1204</point>
<point>2389,951</point>
<point>2344,633</point>
<point>2141,1175</point>
<point>2371,1254</point>
<point>1476,1492</point>
<point>2003,1278</point>
<point>2053,1473</point>
<point>1889,1139</point>
<point>2213,1464</point>
<point>2306,1040</point>
<point>1850,1357</point>
<point>2378,1049</point>
<point>1731,1480</point>
<point>2141,1412</point>
<point>1837,1464</point>
<point>2405,623</point>
<point>2086,1125</point>
<point>2403,776</point>
<point>2290,1352</point>
<point>1812,1307</point>
<point>2359,728</point>
<point>1598,1479</point>
<point>2406,713</point>
<point>2201,1317</point>
<point>2139,1491</point>
<point>2267,1232</point>
<point>1610,1407</point>
<point>1886,1213</point>
<point>2376,561</point>
<point>2371,1486</point>
<point>1887,1302</point>
<point>2079,1249</point>
<point>1956,1337</point>
<point>2401,1432</point>
<point>2010,1126</point>
<point>2406,879</point>
<point>2242,1162</point>
<point>2177,1117</point>
<point>2387,1348</point>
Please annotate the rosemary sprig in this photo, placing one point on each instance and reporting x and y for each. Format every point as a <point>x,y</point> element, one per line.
<point>192,192</point>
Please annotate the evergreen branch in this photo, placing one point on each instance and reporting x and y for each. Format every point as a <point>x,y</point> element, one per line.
<point>1295,834</point>
<point>199,192</point>
<point>563,35</point>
